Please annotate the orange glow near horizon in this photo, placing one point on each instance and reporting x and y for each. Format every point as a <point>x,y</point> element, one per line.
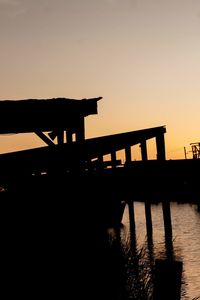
<point>140,56</point>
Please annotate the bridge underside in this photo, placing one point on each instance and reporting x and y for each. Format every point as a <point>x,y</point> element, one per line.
<point>80,165</point>
<point>58,117</point>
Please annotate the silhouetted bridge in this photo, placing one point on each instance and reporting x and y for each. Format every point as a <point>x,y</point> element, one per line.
<point>60,124</point>
<point>43,185</point>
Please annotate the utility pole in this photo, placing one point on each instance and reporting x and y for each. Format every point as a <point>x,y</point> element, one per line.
<point>185,152</point>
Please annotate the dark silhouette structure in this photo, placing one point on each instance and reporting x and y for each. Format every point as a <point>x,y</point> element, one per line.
<point>57,115</point>
<point>42,186</point>
<point>73,155</point>
<point>195,150</point>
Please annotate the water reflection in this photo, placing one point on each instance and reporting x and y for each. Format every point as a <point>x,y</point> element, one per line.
<point>165,274</point>
<point>178,254</point>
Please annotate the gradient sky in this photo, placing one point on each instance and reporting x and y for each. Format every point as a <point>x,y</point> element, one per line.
<point>141,56</point>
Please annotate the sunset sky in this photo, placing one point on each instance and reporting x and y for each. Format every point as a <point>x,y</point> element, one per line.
<point>141,56</point>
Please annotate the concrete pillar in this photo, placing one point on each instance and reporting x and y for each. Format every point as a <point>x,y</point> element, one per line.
<point>149,226</point>
<point>143,146</point>
<point>113,159</point>
<point>69,136</point>
<point>80,134</point>
<point>131,215</point>
<point>167,279</point>
<point>60,137</point>
<point>132,225</point>
<point>128,154</point>
<point>167,219</point>
<point>100,161</point>
<point>160,145</point>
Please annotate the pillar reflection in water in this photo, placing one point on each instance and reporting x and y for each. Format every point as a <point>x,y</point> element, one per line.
<point>166,273</point>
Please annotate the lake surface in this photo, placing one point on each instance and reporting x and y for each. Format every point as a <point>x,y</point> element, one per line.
<point>186,240</point>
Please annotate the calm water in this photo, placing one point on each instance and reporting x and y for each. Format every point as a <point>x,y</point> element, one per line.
<point>186,240</point>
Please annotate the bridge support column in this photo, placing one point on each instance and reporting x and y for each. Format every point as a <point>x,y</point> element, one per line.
<point>167,279</point>
<point>132,225</point>
<point>131,215</point>
<point>69,136</point>
<point>143,146</point>
<point>128,154</point>
<point>167,220</point>
<point>60,137</point>
<point>148,220</point>
<point>100,161</point>
<point>113,159</point>
<point>160,145</point>
<point>80,134</point>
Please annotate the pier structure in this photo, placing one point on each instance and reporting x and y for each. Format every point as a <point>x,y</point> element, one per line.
<point>70,163</point>
<point>97,148</point>
<point>61,118</point>
<point>60,123</point>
